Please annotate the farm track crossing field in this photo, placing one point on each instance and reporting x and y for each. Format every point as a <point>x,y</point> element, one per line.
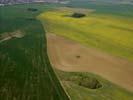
<point>25,70</point>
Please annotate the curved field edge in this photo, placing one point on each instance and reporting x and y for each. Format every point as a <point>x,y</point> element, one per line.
<point>108,91</point>
<point>72,80</point>
<point>69,55</point>
<point>93,30</point>
<point>26,73</point>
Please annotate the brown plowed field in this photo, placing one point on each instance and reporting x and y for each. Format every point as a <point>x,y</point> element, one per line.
<point>67,55</point>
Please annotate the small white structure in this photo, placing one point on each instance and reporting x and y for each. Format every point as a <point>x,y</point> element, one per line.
<point>2,4</point>
<point>39,1</point>
<point>64,2</point>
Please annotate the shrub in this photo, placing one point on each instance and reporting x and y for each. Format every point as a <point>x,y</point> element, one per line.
<point>78,15</point>
<point>91,83</point>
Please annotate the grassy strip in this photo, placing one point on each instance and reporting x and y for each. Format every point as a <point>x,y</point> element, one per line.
<point>108,91</point>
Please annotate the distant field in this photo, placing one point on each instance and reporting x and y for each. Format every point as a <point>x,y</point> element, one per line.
<point>104,7</point>
<point>109,33</point>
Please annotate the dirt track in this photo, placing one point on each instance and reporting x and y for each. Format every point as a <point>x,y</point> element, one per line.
<point>8,36</point>
<point>68,55</point>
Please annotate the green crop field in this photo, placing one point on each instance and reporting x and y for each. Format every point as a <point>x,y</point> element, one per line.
<point>109,33</point>
<point>25,70</point>
<point>107,91</point>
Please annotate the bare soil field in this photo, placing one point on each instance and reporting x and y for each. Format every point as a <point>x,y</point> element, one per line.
<point>68,55</point>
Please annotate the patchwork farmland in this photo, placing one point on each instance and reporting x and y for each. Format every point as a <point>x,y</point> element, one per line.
<point>104,47</point>
<point>93,30</point>
<point>89,46</point>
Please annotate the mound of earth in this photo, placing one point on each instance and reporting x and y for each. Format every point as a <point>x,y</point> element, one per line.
<point>84,81</point>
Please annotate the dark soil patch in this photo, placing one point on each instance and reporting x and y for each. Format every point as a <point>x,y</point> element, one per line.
<point>32,9</point>
<point>78,56</point>
<point>90,82</point>
<point>78,15</point>
<point>85,81</point>
<point>30,19</point>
